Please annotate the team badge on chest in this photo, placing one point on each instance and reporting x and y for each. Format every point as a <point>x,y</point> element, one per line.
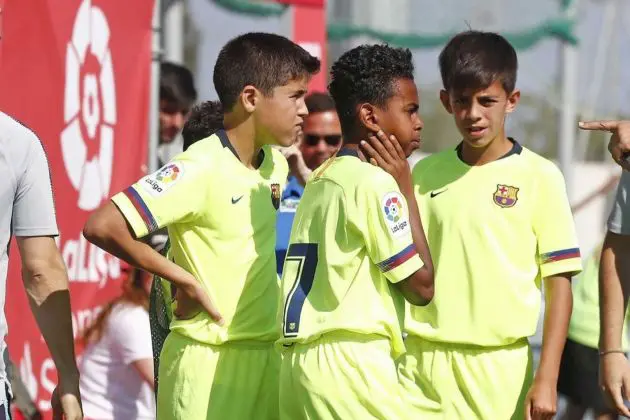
<point>505,196</point>
<point>275,195</point>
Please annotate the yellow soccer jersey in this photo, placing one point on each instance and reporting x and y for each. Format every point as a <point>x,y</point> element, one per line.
<point>351,238</point>
<point>221,220</point>
<point>494,231</point>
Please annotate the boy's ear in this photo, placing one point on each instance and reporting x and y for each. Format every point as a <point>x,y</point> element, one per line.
<point>249,98</point>
<point>512,101</point>
<point>446,101</point>
<point>368,117</point>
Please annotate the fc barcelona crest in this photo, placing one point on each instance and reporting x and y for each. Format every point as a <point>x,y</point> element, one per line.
<point>275,195</point>
<point>505,196</point>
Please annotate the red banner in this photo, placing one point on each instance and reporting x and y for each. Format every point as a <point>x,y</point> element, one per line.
<point>309,30</point>
<point>77,72</point>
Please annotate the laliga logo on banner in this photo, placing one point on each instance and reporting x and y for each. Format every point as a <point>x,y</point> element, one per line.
<point>87,141</point>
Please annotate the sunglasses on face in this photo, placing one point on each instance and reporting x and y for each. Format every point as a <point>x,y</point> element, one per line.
<point>314,139</point>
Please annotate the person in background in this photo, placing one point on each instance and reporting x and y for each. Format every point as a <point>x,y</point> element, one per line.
<point>117,365</point>
<point>320,139</point>
<point>614,274</point>
<point>204,120</point>
<point>177,96</point>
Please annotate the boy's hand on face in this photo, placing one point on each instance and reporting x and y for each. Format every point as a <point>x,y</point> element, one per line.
<point>387,153</point>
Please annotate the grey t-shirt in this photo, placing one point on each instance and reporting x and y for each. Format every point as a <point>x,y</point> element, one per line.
<point>26,200</point>
<point>619,219</point>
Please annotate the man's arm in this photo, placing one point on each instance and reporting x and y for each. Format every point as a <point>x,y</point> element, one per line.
<point>619,144</point>
<point>614,288</point>
<point>108,229</point>
<point>46,283</point>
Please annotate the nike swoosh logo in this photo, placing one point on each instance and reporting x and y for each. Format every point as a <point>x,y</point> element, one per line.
<point>236,200</point>
<point>436,193</point>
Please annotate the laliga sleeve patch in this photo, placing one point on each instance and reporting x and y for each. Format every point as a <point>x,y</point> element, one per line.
<point>159,182</point>
<point>394,209</point>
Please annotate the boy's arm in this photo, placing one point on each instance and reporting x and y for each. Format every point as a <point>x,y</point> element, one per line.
<point>178,193</point>
<point>558,260</point>
<point>558,307</point>
<point>542,397</point>
<point>386,152</point>
<point>108,229</point>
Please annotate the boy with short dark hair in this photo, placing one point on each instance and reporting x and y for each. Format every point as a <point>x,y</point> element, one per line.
<point>499,227</point>
<point>219,201</point>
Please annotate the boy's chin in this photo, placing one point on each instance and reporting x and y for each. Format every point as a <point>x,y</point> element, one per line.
<point>476,142</point>
<point>286,141</point>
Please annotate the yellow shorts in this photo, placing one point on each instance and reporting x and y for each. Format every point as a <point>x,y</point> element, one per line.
<point>448,381</point>
<point>231,381</point>
<point>340,376</point>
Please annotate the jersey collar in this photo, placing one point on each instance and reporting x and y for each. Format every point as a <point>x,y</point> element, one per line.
<point>515,150</point>
<point>225,142</point>
<point>345,151</point>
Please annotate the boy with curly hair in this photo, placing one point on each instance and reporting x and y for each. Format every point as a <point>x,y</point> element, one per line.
<point>357,250</point>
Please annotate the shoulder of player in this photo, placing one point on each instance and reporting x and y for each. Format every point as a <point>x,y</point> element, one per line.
<point>430,161</point>
<point>373,179</point>
<point>540,166</point>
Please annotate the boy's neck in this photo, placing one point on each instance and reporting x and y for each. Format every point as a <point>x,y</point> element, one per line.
<point>354,146</point>
<point>496,149</point>
<point>242,135</point>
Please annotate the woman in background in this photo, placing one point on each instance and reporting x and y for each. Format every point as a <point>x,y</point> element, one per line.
<point>117,364</point>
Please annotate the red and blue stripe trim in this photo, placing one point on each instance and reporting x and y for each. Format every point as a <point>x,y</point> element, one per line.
<point>563,254</point>
<point>398,259</point>
<point>142,209</point>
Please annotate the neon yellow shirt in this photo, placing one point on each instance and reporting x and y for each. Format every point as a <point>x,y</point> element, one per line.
<point>221,220</point>
<point>494,231</point>
<point>350,240</point>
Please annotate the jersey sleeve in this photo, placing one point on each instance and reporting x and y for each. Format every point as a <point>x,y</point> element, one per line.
<point>33,205</point>
<point>388,231</point>
<point>176,193</point>
<point>558,249</point>
<point>619,219</point>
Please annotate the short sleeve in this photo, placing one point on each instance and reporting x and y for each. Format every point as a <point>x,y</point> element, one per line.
<point>558,249</point>
<point>619,219</point>
<point>176,193</point>
<point>33,206</point>
<point>130,333</point>
<point>388,235</point>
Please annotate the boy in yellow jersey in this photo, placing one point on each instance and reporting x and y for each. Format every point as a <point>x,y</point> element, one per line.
<point>499,228</point>
<point>356,248</point>
<point>218,200</point>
